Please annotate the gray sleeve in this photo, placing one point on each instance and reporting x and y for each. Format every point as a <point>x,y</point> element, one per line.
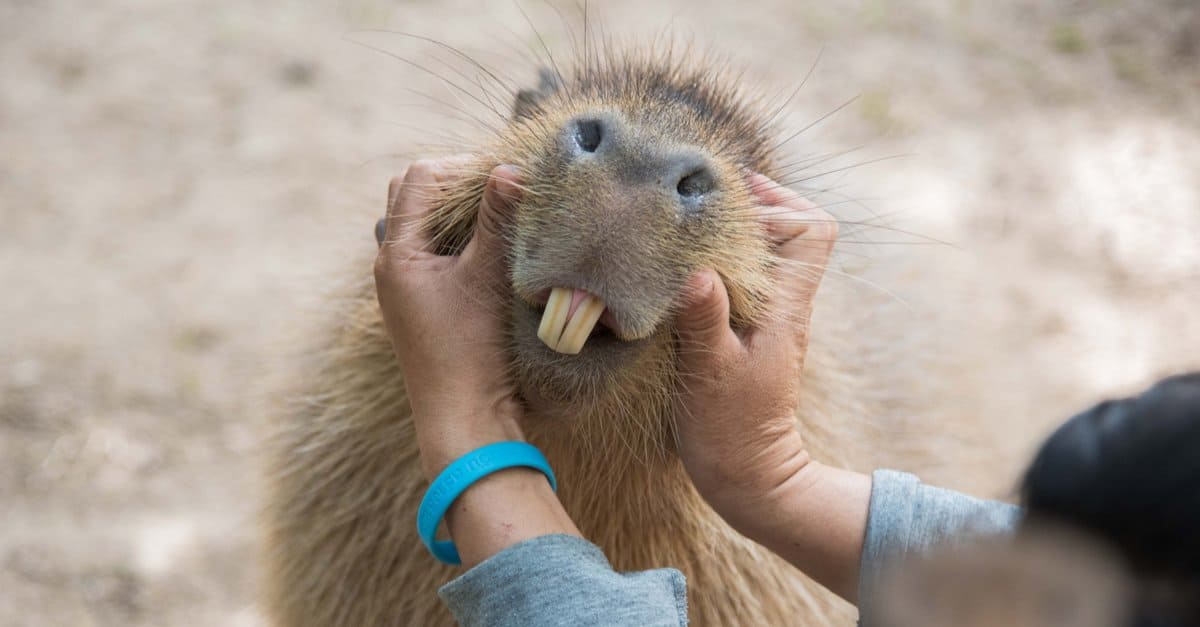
<point>563,580</point>
<point>907,517</point>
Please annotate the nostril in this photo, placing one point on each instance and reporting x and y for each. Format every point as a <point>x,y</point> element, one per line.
<point>696,184</point>
<point>589,134</point>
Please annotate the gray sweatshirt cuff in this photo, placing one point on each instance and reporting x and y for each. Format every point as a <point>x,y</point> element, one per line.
<point>908,517</point>
<point>563,580</point>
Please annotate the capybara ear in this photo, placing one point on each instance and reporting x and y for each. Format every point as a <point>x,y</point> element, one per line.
<point>529,101</point>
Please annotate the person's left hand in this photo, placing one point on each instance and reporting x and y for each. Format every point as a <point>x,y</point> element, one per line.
<point>445,315</point>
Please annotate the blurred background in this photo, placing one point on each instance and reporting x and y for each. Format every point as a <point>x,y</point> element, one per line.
<point>179,178</point>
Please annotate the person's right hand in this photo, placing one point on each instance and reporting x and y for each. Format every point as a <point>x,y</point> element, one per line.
<point>736,413</point>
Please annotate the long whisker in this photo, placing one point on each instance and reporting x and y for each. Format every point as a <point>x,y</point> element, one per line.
<point>542,41</point>
<point>813,123</point>
<point>775,116</point>
<point>453,85</point>
<point>490,73</point>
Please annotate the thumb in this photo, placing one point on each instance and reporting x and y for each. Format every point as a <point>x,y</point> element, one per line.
<point>703,324</point>
<point>501,194</point>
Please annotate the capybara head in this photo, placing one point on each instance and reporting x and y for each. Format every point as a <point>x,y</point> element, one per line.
<point>635,173</point>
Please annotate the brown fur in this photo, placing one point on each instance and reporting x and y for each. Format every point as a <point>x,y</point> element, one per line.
<point>345,480</point>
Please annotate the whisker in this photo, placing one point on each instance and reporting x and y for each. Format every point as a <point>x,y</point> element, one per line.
<point>455,86</point>
<point>844,168</point>
<point>503,84</point>
<point>541,40</point>
<point>813,123</point>
<point>775,116</point>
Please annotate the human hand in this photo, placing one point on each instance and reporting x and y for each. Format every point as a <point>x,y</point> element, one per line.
<point>445,315</point>
<point>736,420</point>
<point>736,408</point>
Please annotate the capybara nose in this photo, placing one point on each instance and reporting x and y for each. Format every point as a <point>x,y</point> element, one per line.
<point>606,140</point>
<point>592,136</point>
<point>588,134</point>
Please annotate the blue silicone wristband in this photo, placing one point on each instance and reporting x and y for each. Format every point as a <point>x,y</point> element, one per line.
<point>459,476</point>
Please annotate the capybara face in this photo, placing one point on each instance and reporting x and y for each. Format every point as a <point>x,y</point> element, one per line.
<point>636,177</point>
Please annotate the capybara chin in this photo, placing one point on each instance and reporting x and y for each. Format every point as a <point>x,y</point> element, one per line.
<point>634,166</point>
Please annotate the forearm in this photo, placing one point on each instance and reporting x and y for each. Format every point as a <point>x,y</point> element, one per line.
<point>817,522</point>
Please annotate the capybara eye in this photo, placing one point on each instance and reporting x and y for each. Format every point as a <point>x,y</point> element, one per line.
<point>589,134</point>
<point>695,185</point>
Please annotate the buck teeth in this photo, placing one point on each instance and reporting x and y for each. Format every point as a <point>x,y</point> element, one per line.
<point>564,330</point>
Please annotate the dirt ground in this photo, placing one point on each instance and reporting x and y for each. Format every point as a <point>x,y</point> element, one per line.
<point>177,177</point>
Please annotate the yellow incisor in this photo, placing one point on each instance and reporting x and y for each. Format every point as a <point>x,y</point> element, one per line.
<point>564,330</point>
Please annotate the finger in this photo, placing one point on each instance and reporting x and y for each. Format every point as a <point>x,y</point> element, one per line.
<point>393,191</point>
<point>381,223</point>
<point>500,197</point>
<point>779,207</point>
<point>770,193</point>
<point>805,233</point>
<point>413,199</point>
<point>705,336</point>
<point>802,260</point>
<point>813,233</point>
<point>410,201</point>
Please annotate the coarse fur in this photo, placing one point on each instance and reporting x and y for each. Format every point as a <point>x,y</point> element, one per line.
<point>345,477</point>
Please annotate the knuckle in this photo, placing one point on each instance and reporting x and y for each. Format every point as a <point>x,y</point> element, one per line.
<point>421,170</point>
<point>424,166</point>
<point>383,266</point>
<point>390,270</point>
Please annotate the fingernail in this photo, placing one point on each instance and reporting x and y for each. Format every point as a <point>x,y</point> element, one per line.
<point>699,286</point>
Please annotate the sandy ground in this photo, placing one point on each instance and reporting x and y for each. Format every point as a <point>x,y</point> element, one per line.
<point>175,176</point>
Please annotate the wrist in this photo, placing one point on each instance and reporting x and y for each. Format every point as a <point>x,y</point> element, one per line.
<point>503,509</point>
<point>445,434</point>
<point>754,470</point>
<point>745,483</point>
<point>811,514</point>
